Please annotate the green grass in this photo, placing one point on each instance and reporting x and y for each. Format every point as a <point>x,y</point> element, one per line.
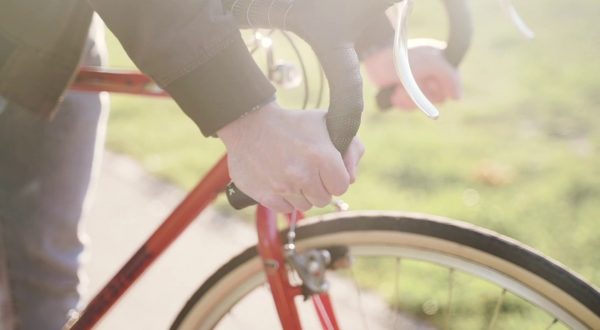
<point>437,296</point>
<point>519,154</point>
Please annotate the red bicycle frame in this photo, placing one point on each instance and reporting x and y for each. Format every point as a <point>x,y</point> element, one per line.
<point>216,180</point>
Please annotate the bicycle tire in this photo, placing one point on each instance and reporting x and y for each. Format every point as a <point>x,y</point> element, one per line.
<point>575,302</point>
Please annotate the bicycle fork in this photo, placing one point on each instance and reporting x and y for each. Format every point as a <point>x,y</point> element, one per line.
<point>310,266</point>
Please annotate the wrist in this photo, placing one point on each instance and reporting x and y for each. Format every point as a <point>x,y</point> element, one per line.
<point>241,128</point>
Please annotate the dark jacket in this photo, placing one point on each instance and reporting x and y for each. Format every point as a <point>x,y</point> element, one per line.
<point>191,48</point>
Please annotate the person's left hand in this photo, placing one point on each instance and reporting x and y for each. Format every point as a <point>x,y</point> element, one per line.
<point>436,77</point>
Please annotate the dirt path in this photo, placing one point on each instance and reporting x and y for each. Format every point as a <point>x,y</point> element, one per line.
<point>128,205</point>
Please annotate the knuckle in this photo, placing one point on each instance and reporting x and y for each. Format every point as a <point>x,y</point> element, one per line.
<point>318,154</point>
<point>323,201</point>
<point>265,200</point>
<point>298,202</point>
<point>335,190</point>
<point>304,207</point>
<point>296,176</point>
<point>312,153</point>
<point>352,179</point>
<point>275,203</point>
<point>342,190</point>
<point>361,148</point>
<point>319,200</point>
<point>342,186</point>
<point>324,156</point>
<point>280,188</point>
<point>292,173</point>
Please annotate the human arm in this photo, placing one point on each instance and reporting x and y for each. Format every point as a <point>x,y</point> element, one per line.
<point>293,174</point>
<point>434,63</point>
<point>193,50</point>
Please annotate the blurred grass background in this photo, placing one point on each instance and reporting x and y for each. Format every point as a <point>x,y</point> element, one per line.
<point>519,154</point>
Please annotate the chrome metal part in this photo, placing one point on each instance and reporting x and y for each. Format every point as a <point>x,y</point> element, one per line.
<point>511,11</point>
<point>311,266</point>
<point>403,66</point>
<point>285,74</point>
<point>271,264</point>
<point>340,205</point>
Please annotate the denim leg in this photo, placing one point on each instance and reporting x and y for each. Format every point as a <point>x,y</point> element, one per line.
<point>45,173</point>
<point>6,312</point>
<point>46,169</point>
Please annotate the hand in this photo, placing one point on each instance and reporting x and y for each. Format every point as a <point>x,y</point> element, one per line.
<point>437,78</point>
<point>285,160</point>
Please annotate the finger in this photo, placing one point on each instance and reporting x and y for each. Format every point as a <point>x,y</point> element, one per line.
<point>433,90</point>
<point>457,91</point>
<point>316,194</point>
<point>350,167</point>
<point>298,201</point>
<point>451,84</point>
<point>276,203</point>
<point>333,174</point>
<point>401,100</point>
<point>352,158</point>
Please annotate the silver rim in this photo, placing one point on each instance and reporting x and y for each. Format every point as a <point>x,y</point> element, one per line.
<point>531,287</point>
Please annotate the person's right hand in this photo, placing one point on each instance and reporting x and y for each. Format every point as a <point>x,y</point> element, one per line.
<point>285,159</point>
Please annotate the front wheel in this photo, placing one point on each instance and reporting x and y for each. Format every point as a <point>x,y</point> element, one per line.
<point>408,271</point>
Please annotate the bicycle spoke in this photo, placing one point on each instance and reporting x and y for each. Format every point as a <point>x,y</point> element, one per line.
<point>449,301</point>
<point>235,320</point>
<point>554,322</point>
<point>360,303</point>
<point>396,300</point>
<point>492,324</point>
<point>401,278</point>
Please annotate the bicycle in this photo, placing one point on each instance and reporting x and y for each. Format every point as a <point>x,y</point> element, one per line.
<point>327,244</point>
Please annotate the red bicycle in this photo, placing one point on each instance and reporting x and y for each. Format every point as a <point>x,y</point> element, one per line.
<point>503,279</point>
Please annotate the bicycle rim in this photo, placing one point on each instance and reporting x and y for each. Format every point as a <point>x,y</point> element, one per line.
<point>464,251</point>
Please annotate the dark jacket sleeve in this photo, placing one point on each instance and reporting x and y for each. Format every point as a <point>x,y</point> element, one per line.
<point>192,49</point>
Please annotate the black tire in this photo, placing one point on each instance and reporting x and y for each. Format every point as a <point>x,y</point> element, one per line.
<point>574,302</point>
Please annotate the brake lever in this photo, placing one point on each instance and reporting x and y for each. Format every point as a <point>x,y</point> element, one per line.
<point>403,66</point>
<point>511,11</point>
<point>402,63</point>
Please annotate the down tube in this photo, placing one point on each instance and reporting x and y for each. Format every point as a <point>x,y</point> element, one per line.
<point>194,203</point>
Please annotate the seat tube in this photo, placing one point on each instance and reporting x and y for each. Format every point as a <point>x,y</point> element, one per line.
<point>271,251</point>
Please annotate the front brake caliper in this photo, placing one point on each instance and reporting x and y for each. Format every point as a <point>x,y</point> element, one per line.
<point>311,265</point>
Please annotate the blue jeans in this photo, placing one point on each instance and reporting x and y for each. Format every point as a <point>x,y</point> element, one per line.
<point>45,173</point>
<point>46,168</point>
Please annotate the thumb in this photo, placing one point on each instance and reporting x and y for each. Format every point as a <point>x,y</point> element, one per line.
<point>433,90</point>
<point>452,84</point>
<point>352,158</point>
<point>401,100</point>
